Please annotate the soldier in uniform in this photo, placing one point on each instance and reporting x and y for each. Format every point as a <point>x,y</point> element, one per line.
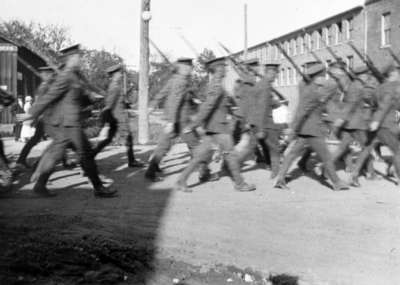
<point>262,126</point>
<point>307,125</point>
<point>6,99</point>
<point>65,101</point>
<point>383,126</point>
<point>178,106</point>
<point>354,121</point>
<point>47,74</point>
<point>212,121</point>
<point>115,113</point>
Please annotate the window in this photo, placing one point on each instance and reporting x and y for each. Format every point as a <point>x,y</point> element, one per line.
<point>287,48</point>
<point>301,45</point>
<point>307,42</point>
<point>351,28</point>
<point>330,36</point>
<point>335,34</point>
<point>294,76</point>
<point>346,29</point>
<point>282,76</point>
<point>350,62</point>
<point>339,32</point>
<point>289,76</point>
<point>294,47</point>
<point>317,40</point>
<point>324,37</point>
<point>386,29</point>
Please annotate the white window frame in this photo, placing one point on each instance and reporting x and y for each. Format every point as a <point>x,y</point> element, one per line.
<point>385,41</point>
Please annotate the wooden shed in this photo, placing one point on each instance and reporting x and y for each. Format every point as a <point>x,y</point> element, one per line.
<point>18,72</point>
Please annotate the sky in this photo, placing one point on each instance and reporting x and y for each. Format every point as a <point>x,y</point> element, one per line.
<point>113,25</point>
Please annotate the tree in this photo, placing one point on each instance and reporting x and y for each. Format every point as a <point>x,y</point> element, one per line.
<point>45,40</point>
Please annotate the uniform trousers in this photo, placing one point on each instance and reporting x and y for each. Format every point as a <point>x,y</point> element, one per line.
<point>62,138</point>
<point>347,137</point>
<point>303,144</point>
<point>386,137</point>
<point>201,155</point>
<point>117,127</point>
<point>271,141</point>
<point>34,140</point>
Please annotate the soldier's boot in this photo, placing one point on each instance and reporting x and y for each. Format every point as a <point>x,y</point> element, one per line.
<point>182,187</point>
<point>281,184</point>
<point>151,171</point>
<point>40,186</point>
<point>244,187</point>
<point>205,174</point>
<point>340,186</point>
<point>354,181</point>
<point>105,192</point>
<point>132,162</point>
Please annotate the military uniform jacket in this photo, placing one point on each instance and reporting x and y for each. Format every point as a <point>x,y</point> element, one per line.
<point>41,91</point>
<point>246,103</point>
<point>308,118</point>
<point>66,100</point>
<point>388,103</point>
<point>357,111</point>
<point>213,113</point>
<point>179,102</point>
<point>115,101</point>
<point>263,104</point>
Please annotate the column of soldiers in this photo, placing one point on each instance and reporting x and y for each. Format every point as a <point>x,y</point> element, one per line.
<point>368,117</point>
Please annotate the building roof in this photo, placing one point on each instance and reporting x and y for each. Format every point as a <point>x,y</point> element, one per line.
<point>26,53</point>
<point>311,27</point>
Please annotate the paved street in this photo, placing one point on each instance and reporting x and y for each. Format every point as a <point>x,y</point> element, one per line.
<point>324,237</point>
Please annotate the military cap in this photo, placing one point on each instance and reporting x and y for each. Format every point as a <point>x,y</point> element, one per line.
<point>251,62</point>
<point>314,68</point>
<point>114,68</point>
<point>185,60</point>
<point>361,70</point>
<point>46,68</point>
<point>71,50</point>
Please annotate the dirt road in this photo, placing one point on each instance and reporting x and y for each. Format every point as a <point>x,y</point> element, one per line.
<point>151,235</point>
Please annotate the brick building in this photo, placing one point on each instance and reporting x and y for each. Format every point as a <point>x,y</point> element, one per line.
<point>370,28</point>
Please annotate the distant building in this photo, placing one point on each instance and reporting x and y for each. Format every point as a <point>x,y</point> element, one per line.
<point>370,28</point>
<point>18,72</point>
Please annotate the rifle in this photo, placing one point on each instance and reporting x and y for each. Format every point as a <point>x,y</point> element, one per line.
<point>317,58</point>
<point>349,72</point>
<point>394,56</point>
<point>305,77</point>
<point>368,62</point>
<point>245,70</point>
<point>160,52</point>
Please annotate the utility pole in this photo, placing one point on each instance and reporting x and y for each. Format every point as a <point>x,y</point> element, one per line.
<point>143,122</point>
<point>245,32</point>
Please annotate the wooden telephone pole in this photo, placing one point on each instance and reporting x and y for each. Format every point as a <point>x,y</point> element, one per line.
<point>143,124</point>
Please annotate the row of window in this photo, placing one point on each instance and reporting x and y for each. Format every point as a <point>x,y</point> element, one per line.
<point>327,36</point>
<point>289,76</point>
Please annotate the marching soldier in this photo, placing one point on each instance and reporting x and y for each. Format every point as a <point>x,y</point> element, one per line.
<point>115,113</point>
<point>308,128</point>
<point>48,75</point>
<point>65,102</point>
<point>260,119</point>
<point>212,121</point>
<point>383,126</point>
<point>178,109</point>
<point>353,124</point>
